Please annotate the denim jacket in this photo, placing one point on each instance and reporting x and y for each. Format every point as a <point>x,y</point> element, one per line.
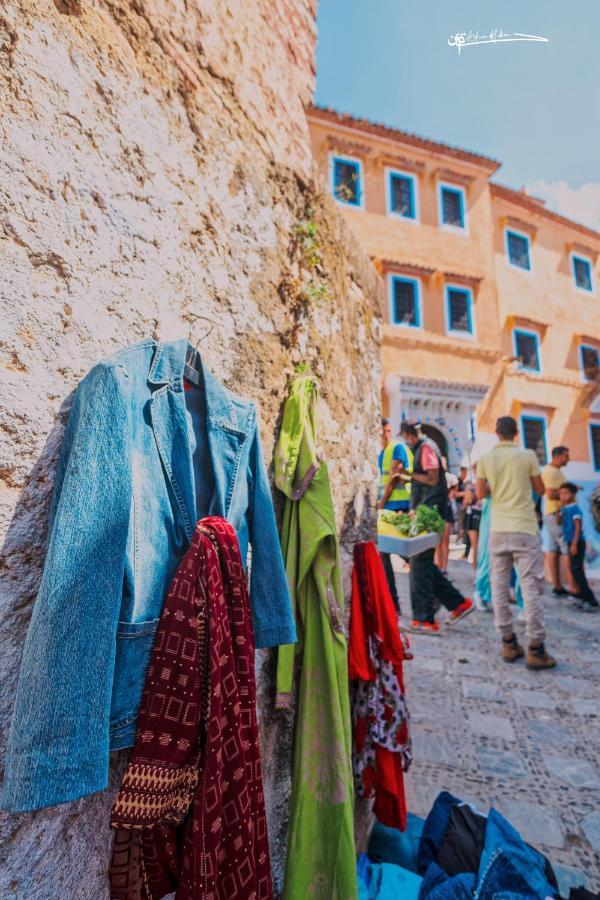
<point>508,867</point>
<point>136,470</point>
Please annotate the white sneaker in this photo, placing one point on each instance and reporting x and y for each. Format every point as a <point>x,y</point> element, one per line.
<point>478,601</point>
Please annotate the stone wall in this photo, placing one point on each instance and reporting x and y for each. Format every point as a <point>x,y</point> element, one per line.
<point>155,164</point>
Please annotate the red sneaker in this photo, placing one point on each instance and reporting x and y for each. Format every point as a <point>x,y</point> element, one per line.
<point>466,607</point>
<point>424,627</point>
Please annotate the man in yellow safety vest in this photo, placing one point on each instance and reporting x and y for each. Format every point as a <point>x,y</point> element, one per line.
<point>394,494</point>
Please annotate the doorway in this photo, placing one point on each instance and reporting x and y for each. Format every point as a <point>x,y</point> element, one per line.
<point>437,437</point>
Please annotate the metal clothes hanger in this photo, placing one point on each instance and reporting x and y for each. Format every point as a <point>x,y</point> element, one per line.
<point>193,366</point>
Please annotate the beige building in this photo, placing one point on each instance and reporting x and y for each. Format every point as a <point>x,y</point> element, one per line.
<point>492,299</point>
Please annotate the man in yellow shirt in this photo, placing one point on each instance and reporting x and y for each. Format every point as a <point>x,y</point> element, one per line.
<point>510,475</point>
<point>554,544</point>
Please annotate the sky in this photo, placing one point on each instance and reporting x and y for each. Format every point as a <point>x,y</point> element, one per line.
<point>533,106</point>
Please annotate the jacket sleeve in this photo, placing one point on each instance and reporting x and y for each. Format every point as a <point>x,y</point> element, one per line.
<point>59,738</point>
<point>272,614</point>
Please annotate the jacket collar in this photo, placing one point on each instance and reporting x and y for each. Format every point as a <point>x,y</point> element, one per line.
<point>226,437</point>
<point>167,367</point>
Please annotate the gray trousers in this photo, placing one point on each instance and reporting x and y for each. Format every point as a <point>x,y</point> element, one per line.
<point>515,548</point>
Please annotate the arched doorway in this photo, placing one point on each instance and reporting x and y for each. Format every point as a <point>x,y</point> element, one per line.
<point>437,437</point>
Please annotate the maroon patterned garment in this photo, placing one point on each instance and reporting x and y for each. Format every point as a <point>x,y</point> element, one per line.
<point>190,814</point>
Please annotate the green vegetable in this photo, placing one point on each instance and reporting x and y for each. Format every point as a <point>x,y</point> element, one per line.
<point>402,522</point>
<point>425,520</point>
<point>428,519</point>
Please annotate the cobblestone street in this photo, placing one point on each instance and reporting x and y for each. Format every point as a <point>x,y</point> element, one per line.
<point>497,734</point>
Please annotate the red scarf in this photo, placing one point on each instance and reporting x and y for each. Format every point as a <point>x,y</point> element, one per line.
<point>382,750</point>
<point>190,814</point>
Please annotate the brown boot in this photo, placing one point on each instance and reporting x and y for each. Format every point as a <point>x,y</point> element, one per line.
<point>511,649</point>
<point>537,658</point>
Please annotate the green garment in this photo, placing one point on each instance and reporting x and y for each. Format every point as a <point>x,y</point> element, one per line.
<point>321,859</point>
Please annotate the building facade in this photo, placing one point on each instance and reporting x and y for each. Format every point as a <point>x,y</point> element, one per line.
<point>493,305</point>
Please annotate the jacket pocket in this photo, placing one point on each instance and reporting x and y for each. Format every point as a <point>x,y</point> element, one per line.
<point>134,646</point>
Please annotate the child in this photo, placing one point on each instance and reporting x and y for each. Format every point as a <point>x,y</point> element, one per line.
<point>572,527</point>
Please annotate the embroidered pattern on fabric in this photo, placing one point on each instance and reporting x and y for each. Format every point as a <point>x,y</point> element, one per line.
<point>381,702</point>
<point>190,814</point>
<point>321,769</point>
<point>382,748</point>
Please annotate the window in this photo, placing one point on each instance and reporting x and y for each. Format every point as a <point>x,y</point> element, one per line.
<point>459,320</point>
<point>527,350</point>
<point>517,250</point>
<point>595,444</point>
<point>534,436</point>
<point>590,359</point>
<point>405,301</point>
<point>347,181</point>
<point>452,210</point>
<point>401,195</point>
<point>582,273</point>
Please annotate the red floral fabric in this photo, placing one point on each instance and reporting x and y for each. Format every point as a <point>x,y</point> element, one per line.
<point>382,749</point>
<point>190,814</point>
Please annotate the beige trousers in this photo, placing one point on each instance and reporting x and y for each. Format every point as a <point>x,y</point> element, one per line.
<point>515,548</point>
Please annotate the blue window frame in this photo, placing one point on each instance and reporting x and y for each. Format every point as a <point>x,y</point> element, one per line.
<point>405,301</point>
<point>459,311</point>
<point>452,207</point>
<point>533,431</point>
<point>518,249</point>
<point>590,360</point>
<point>582,273</point>
<point>401,193</point>
<point>347,181</point>
<point>527,349</point>
<point>595,446</point>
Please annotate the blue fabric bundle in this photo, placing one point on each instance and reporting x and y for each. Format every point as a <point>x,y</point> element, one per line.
<point>385,881</point>
<point>388,845</point>
<point>506,867</point>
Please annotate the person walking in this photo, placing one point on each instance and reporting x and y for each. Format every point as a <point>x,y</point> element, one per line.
<point>571,517</point>
<point>463,478</point>
<point>554,544</point>
<point>442,551</point>
<point>472,519</point>
<point>394,494</point>
<point>427,583</point>
<point>509,475</point>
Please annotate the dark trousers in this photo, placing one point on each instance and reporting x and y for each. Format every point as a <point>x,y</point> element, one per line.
<point>386,559</point>
<point>427,584</point>
<point>578,572</point>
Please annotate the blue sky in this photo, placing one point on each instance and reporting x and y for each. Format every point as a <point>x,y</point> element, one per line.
<point>533,106</point>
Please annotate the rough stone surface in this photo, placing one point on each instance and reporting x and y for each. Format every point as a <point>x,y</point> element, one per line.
<point>591,828</point>
<point>575,771</point>
<point>155,164</point>
<point>491,726</point>
<point>500,763</point>
<point>585,707</point>
<point>532,820</point>
<point>480,690</point>
<point>535,699</point>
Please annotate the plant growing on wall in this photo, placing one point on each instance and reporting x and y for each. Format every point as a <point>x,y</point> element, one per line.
<point>306,282</point>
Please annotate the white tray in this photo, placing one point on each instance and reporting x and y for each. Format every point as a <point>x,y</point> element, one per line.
<point>407,546</point>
